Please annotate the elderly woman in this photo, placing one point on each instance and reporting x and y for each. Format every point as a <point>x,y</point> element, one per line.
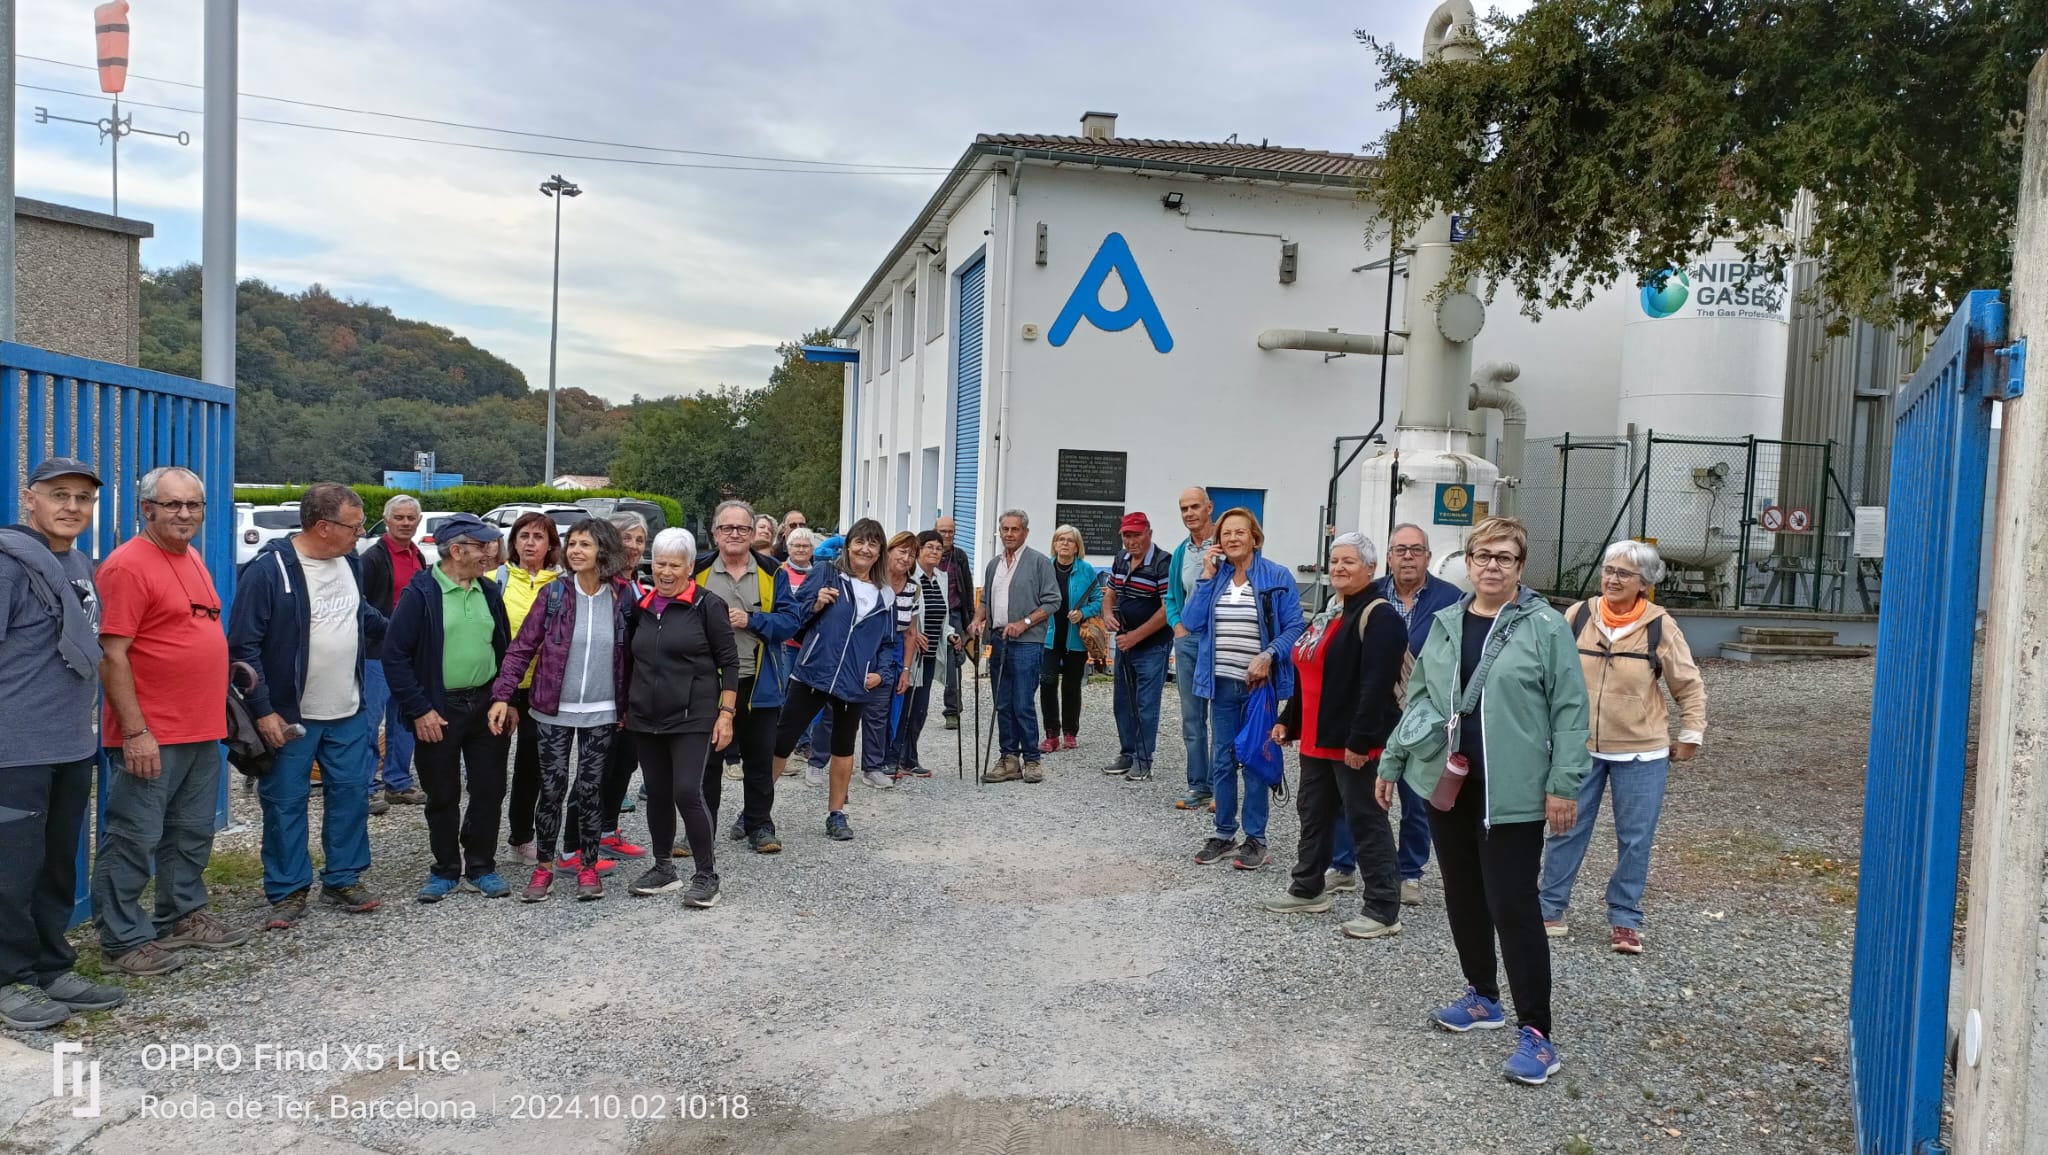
<point>536,556</point>
<point>1495,737</point>
<point>571,652</point>
<point>1066,655</point>
<point>879,768</point>
<point>802,545</point>
<point>765,532</point>
<point>1247,613</point>
<point>1350,667</point>
<point>683,692</point>
<point>933,635</point>
<point>1627,644</point>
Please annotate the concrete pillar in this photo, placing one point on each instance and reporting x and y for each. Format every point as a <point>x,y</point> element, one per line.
<point>2002,1062</point>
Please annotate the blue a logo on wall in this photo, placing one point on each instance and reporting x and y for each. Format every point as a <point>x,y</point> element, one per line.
<point>1661,303</point>
<point>1086,302</point>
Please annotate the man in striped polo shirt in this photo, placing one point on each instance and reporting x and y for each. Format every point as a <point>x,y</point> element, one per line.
<point>1135,607</point>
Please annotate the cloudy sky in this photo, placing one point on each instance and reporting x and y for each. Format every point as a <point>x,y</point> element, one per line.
<point>682,274</point>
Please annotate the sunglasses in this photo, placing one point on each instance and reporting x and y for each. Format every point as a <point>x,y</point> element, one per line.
<point>199,611</point>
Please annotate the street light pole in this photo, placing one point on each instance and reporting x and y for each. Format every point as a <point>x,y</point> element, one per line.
<point>558,190</point>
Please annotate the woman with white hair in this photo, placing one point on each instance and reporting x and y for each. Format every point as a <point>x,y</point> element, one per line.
<point>1351,668</point>
<point>1627,645</point>
<point>683,689</point>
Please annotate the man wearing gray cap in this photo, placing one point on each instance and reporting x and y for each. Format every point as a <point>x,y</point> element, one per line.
<point>447,636</point>
<point>49,681</point>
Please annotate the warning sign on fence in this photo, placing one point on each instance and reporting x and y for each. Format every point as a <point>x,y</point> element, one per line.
<point>1800,520</point>
<point>1771,520</point>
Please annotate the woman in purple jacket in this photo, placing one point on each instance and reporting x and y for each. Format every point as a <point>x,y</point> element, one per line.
<point>578,628</point>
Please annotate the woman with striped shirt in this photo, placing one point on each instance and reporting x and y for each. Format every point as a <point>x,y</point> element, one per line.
<point>878,713</point>
<point>932,613</point>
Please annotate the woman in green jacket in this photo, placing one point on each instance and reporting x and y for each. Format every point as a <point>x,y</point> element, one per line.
<point>1494,735</point>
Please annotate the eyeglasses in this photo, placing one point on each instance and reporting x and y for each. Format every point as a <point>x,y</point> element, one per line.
<point>65,497</point>
<point>1618,574</point>
<point>356,529</point>
<point>199,611</point>
<point>732,529</point>
<point>1409,551</point>
<point>1494,560</point>
<point>180,506</point>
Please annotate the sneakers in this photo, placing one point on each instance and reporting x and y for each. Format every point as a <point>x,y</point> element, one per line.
<point>27,1007</point>
<point>1625,940</point>
<point>836,827</point>
<point>735,772</point>
<point>738,830</point>
<point>1195,800</point>
<point>1555,927</point>
<point>526,852</point>
<point>202,930</point>
<point>1295,904</point>
<point>1034,771</point>
<point>413,796</point>
<point>589,885</point>
<point>679,850</point>
<point>438,888</point>
<point>378,805</point>
<point>147,959</point>
<point>1141,772</point>
<point>488,885</point>
<point>287,912</point>
<point>79,993</point>
<point>617,847</point>
<point>1070,742</point>
<point>1008,768</point>
<point>814,775</point>
<point>1367,927</point>
<point>537,886</point>
<point>1251,855</point>
<point>1120,766</point>
<point>1472,1012</point>
<point>571,863</point>
<point>763,841</point>
<point>659,879</point>
<point>1051,745</point>
<point>1535,1059</point>
<point>1339,882</point>
<point>1214,850</point>
<point>630,802</point>
<point>918,771</point>
<point>1411,892</point>
<point>703,892</point>
<point>354,898</point>
<point>878,780</point>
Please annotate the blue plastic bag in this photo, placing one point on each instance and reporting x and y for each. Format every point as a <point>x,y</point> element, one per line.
<point>1256,751</point>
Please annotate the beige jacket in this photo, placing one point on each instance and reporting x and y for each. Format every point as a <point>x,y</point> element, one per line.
<point>1628,713</point>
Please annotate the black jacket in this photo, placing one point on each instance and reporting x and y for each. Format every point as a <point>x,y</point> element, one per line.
<point>682,659</point>
<point>412,644</point>
<point>376,563</point>
<point>1357,711</point>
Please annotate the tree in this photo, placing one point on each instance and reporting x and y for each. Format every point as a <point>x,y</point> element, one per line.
<point>695,450</point>
<point>1601,138</point>
<point>797,420</point>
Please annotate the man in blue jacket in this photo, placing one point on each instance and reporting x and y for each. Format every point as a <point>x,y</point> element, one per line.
<point>300,621</point>
<point>1418,595</point>
<point>1198,514</point>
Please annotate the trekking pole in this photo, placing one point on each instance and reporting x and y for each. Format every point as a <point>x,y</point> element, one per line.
<point>959,743</point>
<point>995,689</point>
<point>975,651</point>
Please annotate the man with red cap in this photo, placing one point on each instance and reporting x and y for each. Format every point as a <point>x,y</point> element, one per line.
<point>1135,608</point>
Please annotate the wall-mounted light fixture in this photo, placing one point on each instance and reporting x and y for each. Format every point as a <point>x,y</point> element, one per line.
<point>1172,200</point>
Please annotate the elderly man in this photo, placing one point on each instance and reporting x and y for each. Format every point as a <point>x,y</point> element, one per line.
<point>959,571</point>
<point>49,686</point>
<point>752,587</point>
<point>1198,514</point>
<point>1134,605</point>
<point>791,522</point>
<point>447,638</point>
<point>301,622</point>
<point>165,673</point>
<point>388,567</point>
<point>1023,594</point>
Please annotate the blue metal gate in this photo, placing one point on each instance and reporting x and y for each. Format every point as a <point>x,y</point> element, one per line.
<point>125,422</point>
<point>967,348</point>
<point>1913,797</point>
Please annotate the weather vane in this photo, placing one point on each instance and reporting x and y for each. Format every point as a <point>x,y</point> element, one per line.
<point>110,27</point>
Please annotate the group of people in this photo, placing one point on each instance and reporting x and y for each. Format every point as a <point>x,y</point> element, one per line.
<point>1497,721</point>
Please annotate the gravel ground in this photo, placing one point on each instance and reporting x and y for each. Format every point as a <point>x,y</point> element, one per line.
<point>1042,967</point>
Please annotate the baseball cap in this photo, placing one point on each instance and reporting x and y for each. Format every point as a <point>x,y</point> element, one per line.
<point>467,525</point>
<point>53,467</point>
<point>1136,523</point>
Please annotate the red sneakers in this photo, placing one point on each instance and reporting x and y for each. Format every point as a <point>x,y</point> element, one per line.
<point>1623,940</point>
<point>573,863</point>
<point>619,846</point>
<point>1049,746</point>
<point>588,885</point>
<point>537,887</point>
<point>1071,743</point>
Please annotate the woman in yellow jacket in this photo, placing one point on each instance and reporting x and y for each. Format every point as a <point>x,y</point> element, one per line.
<point>1627,645</point>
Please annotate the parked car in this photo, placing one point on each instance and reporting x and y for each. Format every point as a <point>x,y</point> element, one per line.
<point>562,514</point>
<point>425,538</point>
<point>606,506</point>
<point>257,525</point>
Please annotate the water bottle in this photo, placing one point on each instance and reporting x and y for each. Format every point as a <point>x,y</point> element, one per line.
<point>1456,768</point>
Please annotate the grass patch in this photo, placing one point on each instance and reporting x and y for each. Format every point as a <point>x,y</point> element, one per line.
<point>1756,857</point>
<point>235,869</point>
<point>1577,1145</point>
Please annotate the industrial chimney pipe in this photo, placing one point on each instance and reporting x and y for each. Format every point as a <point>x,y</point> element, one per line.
<point>1490,391</point>
<point>1329,341</point>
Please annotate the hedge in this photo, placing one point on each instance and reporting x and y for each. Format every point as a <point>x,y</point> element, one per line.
<point>477,499</point>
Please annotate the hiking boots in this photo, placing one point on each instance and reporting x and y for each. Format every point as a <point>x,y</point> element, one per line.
<point>202,930</point>
<point>27,1007</point>
<point>1008,768</point>
<point>1214,850</point>
<point>355,898</point>
<point>287,912</point>
<point>764,841</point>
<point>1295,904</point>
<point>1034,772</point>
<point>1251,855</point>
<point>147,959</point>
<point>79,993</point>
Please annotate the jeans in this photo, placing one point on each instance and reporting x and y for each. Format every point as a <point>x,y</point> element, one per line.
<point>753,743</point>
<point>464,844</point>
<point>917,704</point>
<point>1194,713</point>
<point>1014,667</point>
<point>1638,800</point>
<point>1336,800</point>
<point>1059,684</point>
<point>592,743</point>
<point>876,739</point>
<point>1227,714</point>
<point>1489,877</point>
<point>168,818</point>
<point>393,762</point>
<point>1413,854</point>
<point>343,748</point>
<point>42,820</point>
<point>1140,683</point>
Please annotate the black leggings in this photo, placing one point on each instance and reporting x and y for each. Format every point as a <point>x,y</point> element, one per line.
<point>1490,887</point>
<point>674,767</point>
<point>525,795</point>
<point>803,705</point>
<point>1059,681</point>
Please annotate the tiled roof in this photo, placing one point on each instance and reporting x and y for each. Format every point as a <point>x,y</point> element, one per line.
<point>1282,162</point>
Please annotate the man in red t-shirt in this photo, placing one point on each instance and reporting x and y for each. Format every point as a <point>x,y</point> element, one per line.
<point>165,673</point>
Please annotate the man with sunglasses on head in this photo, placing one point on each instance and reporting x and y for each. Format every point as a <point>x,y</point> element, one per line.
<point>165,673</point>
<point>301,622</point>
<point>49,688</point>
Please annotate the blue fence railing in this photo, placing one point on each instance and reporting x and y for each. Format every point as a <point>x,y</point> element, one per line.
<point>1913,797</point>
<point>125,422</point>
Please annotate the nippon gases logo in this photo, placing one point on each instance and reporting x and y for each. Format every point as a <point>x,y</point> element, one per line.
<point>1661,303</point>
<point>1726,289</point>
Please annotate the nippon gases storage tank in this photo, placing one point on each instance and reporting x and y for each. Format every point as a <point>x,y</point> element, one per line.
<point>1702,357</point>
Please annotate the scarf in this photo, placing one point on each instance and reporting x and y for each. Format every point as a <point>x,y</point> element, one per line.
<point>1614,621</point>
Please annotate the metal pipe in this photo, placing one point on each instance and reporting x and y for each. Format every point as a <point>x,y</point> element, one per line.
<point>1325,341</point>
<point>1001,330</point>
<point>1490,391</point>
<point>1448,35</point>
<point>217,277</point>
<point>547,476</point>
<point>7,172</point>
